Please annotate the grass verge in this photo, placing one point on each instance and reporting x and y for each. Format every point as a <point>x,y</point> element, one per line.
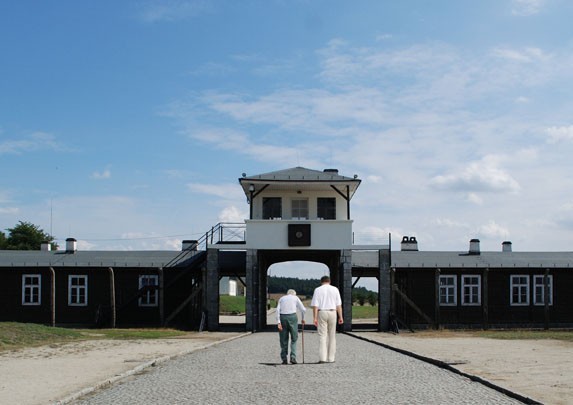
<point>231,305</point>
<point>364,311</point>
<point>15,335</point>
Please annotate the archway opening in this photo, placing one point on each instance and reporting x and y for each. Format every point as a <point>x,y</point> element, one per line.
<point>232,301</point>
<point>301,276</point>
<point>365,301</point>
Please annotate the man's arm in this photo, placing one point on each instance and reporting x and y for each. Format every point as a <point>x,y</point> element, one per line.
<point>339,312</point>
<point>315,316</point>
<point>302,309</point>
<point>279,313</point>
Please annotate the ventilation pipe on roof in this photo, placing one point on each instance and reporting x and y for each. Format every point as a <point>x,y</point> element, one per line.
<point>474,247</point>
<point>45,246</point>
<point>71,245</point>
<point>189,245</point>
<point>409,244</point>
<point>506,246</point>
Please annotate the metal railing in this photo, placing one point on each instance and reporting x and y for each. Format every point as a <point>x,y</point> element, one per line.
<point>223,232</point>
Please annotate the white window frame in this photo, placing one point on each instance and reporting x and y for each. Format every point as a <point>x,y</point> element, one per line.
<point>292,208</point>
<point>77,288</point>
<point>447,287</point>
<point>32,287</point>
<point>541,285</point>
<point>145,301</point>
<point>512,284</point>
<point>472,287</point>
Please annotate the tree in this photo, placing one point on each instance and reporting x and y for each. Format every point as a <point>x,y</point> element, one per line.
<point>372,298</point>
<point>3,240</point>
<point>27,236</point>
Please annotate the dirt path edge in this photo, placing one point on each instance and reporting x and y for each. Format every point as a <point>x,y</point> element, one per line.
<point>138,369</point>
<point>446,366</point>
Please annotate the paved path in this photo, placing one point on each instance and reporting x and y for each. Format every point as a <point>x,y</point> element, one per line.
<point>246,370</point>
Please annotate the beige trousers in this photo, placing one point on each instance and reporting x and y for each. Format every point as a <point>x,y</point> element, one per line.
<point>327,335</point>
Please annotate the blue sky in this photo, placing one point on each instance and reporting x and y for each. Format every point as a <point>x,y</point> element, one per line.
<point>134,119</point>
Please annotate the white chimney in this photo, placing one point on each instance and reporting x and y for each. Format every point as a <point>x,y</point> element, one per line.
<point>189,245</point>
<point>45,246</point>
<point>409,244</point>
<point>474,247</point>
<point>71,245</point>
<point>506,246</point>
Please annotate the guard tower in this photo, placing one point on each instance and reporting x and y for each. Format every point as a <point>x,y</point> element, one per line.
<point>303,214</point>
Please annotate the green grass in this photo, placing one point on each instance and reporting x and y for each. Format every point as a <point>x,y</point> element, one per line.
<point>366,311</point>
<point>527,334</point>
<point>15,335</point>
<point>19,335</point>
<point>231,305</point>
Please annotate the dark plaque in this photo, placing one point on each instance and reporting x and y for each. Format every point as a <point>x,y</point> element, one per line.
<point>299,234</point>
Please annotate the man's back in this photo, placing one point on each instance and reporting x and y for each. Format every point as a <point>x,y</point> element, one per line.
<point>326,297</point>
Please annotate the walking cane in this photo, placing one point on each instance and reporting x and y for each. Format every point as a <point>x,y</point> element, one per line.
<point>303,343</point>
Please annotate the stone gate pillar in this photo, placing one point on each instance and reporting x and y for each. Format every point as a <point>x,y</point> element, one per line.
<point>252,299</point>
<point>211,293</point>
<point>345,286</point>
<point>384,290</point>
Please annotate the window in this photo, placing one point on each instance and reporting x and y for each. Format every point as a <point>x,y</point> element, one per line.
<point>78,291</point>
<point>31,289</point>
<point>448,287</point>
<point>149,296</point>
<point>299,208</point>
<point>519,290</point>
<point>539,289</point>
<point>471,290</point>
<point>326,208</point>
<point>272,208</point>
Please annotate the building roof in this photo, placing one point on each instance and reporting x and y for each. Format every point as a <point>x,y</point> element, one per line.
<point>444,260</point>
<point>301,176</point>
<point>151,258</point>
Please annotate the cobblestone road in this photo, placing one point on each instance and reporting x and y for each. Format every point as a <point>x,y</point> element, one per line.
<point>246,370</point>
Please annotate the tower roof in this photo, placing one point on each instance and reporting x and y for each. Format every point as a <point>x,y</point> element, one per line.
<point>301,177</point>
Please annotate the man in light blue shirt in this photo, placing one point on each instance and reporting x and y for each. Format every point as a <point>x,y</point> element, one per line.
<point>288,323</point>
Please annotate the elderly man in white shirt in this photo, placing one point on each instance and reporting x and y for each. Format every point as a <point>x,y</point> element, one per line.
<point>288,323</point>
<point>326,304</point>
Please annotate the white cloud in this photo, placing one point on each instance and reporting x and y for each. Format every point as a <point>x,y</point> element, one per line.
<point>172,10</point>
<point>9,210</point>
<point>480,176</point>
<point>528,54</point>
<point>103,175</point>
<point>493,230</point>
<point>526,7</point>
<point>558,134</point>
<point>31,143</point>
<point>449,223</point>
<point>475,199</point>
<point>225,191</point>
<point>232,214</point>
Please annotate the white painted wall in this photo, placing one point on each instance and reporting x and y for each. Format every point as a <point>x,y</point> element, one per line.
<point>288,195</point>
<point>365,258</point>
<point>273,234</point>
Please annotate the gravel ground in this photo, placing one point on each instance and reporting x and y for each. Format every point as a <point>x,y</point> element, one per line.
<point>247,370</point>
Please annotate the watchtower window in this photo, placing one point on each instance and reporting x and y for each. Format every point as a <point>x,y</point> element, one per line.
<point>326,208</point>
<point>272,207</point>
<point>300,208</point>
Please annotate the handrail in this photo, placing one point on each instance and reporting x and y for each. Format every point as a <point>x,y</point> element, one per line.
<point>222,232</point>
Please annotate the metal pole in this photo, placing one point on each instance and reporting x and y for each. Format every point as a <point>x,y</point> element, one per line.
<point>53,296</point>
<point>161,296</point>
<point>546,297</point>
<point>112,296</point>
<point>303,339</point>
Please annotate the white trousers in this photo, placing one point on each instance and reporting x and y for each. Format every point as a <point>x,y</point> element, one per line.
<point>327,335</point>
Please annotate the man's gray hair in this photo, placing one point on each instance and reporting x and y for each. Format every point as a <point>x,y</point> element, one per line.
<point>291,292</point>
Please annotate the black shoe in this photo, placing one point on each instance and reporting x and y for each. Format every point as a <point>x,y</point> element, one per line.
<point>293,361</point>
<point>285,362</point>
